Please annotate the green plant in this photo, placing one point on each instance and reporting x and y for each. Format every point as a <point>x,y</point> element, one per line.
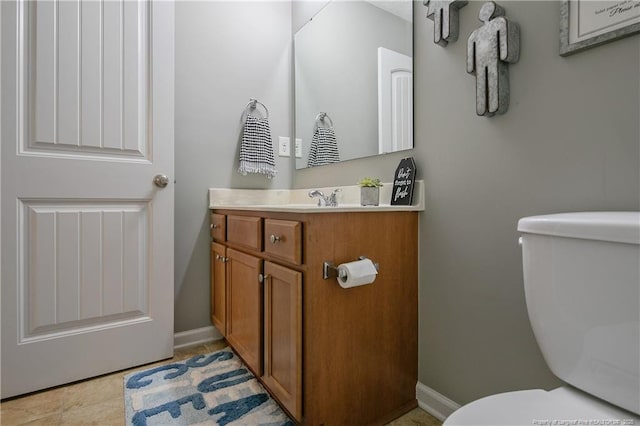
<point>370,182</point>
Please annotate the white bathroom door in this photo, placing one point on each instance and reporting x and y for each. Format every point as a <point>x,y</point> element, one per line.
<point>395,101</point>
<point>87,237</point>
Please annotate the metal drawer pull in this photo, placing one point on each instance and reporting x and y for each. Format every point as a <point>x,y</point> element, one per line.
<point>275,238</point>
<point>263,278</point>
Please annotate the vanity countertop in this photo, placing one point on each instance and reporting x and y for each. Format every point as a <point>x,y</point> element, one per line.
<point>298,200</point>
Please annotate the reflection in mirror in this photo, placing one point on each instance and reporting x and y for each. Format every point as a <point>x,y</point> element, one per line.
<point>353,81</point>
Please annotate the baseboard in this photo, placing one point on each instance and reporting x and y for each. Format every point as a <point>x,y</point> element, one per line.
<point>197,336</point>
<point>434,403</point>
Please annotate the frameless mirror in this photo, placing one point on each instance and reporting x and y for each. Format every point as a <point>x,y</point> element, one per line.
<point>354,81</point>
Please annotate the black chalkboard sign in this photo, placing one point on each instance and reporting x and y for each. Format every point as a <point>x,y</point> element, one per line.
<point>403,181</point>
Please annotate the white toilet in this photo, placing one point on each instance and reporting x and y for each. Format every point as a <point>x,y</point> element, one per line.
<point>582,287</point>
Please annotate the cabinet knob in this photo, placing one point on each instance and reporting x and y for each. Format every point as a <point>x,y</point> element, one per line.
<point>262,278</point>
<point>214,226</point>
<point>275,238</point>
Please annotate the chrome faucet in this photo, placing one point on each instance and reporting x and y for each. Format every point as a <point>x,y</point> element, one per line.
<point>333,201</point>
<point>323,201</point>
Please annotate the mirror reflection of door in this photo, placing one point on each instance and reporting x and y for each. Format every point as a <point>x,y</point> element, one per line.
<point>395,101</point>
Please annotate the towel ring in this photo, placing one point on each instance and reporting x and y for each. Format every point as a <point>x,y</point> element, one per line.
<point>253,103</point>
<point>320,118</point>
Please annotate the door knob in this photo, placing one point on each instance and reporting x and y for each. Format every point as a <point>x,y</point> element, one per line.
<point>161,180</point>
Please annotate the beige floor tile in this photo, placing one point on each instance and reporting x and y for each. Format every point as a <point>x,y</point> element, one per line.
<point>93,391</point>
<point>216,346</point>
<point>106,413</point>
<point>416,417</point>
<point>53,420</point>
<point>32,407</point>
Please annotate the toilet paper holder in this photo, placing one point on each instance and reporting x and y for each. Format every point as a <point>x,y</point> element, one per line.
<point>330,270</point>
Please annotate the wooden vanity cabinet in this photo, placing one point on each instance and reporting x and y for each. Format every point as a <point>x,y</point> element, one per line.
<point>328,355</point>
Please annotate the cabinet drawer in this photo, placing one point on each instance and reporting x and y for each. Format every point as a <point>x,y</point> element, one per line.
<point>218,227</point>
<point>245,231</point>
<point>283,239</point>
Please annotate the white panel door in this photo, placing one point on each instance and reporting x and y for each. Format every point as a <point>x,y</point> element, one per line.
<point>395,101</point>
<point>87,238</point>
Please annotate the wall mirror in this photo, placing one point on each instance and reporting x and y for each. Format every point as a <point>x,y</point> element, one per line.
<point>353,81</point>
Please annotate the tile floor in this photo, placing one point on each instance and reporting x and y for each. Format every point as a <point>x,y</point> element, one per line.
<point>100,401</point>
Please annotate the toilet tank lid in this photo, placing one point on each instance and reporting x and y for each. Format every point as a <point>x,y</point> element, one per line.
<point>622,227</point>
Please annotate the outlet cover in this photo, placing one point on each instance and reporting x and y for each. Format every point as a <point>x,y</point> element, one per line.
<point>284,148</point>
<point>298,148</point>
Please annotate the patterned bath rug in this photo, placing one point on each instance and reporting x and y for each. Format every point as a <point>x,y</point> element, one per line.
<point>212,389</point>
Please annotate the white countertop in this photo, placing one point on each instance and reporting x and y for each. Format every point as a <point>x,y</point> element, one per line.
<point>298,200</point>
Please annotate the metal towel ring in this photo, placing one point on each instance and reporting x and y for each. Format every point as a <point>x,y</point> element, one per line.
<point>253,103</point>
<point>320,119</point>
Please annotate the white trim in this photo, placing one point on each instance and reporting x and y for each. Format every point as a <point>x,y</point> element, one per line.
<point>197,336</point>
<point>434,403</point>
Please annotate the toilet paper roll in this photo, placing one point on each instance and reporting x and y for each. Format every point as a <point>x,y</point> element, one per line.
<point>359,272</point>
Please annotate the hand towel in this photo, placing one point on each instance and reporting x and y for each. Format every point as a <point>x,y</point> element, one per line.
<point>324,147</point>
<point>256,148</point>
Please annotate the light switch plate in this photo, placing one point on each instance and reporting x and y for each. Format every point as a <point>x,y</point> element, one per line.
<point>298,148</point>
<point>284,148</point>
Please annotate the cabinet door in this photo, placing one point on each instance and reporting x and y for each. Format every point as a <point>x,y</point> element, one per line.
<point>283,336</point>
<point>219,287</point>
<point>244,308</point>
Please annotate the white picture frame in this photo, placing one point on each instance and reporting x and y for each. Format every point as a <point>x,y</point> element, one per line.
<point>589,23</point>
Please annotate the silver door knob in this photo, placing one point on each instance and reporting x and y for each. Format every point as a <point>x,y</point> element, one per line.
<point>161,180</point>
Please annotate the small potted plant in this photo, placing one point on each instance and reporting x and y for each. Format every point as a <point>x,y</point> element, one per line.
<point>369,191</point>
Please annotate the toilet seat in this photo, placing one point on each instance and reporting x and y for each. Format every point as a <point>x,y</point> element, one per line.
<point>561,406</point>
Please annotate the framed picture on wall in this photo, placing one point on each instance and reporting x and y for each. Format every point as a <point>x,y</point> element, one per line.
<point>589,23</point>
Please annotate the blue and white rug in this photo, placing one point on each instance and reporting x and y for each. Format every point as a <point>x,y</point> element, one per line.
<point>212,389</point>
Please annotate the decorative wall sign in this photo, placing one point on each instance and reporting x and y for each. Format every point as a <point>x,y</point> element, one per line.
<point>444,14</point>
<point>589,23</point>
<point>403,182</point>
<point>490,49</point>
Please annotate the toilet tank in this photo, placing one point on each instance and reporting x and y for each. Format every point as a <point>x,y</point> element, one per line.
<point>582,287</point>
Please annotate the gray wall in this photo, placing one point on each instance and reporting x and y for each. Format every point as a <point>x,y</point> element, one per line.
<point>569,142</point>
<point>226,53</point>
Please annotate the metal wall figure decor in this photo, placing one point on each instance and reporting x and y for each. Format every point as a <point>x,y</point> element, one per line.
<point>490,49</point>
<point>444,14</point>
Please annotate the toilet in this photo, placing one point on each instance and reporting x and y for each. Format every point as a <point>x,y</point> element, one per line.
<point>582,288</point>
